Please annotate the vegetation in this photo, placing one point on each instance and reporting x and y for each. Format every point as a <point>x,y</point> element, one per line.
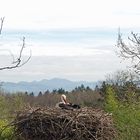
<point>9,104</point>
<point>126,114</point>
<point>6,133</point>
<point>122,100</point>
<point>81,95</point>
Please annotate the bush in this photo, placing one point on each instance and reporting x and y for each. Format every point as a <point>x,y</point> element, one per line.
<point>6,133</point>
<point>111,103</point>
<point>9,104</point>
<point>126,116</point>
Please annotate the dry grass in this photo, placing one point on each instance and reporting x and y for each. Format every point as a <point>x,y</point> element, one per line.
<point>88,98</point>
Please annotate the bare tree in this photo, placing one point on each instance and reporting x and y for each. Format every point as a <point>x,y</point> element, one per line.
<point>121,77</point>
<point>131,50</point>
<point>18,62</point>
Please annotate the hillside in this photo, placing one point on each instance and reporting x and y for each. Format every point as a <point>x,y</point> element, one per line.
<point>43,85</point>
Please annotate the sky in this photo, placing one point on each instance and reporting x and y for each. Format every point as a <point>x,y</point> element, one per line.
<point>72,39</point>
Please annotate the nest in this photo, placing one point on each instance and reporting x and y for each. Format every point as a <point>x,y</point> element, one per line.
<point>61,124</point>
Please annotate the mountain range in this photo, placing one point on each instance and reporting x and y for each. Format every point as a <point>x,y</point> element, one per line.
<point>44,85</point>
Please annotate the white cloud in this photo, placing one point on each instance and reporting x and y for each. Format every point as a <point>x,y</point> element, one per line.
<point>65,49</point>
<point>90,68</point>
<point>40,14</point>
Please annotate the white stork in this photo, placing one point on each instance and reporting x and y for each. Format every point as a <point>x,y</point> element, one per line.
<point>63,102</point>
<point>66,105</point>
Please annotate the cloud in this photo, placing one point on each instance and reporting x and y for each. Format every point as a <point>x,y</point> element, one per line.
<point>74,42</point>
<point>45,14</point>
<point>78,54</point>
<point>72,39</point>
<point>90,68</point>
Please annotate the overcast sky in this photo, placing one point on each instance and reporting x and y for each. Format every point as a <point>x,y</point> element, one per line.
<point>72,39</point>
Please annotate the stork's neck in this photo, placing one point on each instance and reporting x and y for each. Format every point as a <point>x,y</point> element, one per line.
<point>64,100</point>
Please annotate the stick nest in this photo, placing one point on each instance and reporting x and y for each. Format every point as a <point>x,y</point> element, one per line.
<point>60,124</point>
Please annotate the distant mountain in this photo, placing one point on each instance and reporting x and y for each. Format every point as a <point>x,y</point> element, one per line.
<point>43,85</point>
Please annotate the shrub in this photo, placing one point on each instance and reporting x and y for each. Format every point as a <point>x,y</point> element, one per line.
<point>126,115</point>
<point>111,103</point>
<point>9,104</point>
<point>6,133</point>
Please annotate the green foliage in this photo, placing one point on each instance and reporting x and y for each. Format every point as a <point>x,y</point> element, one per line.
<point>6,132</point>
<point>111,103</point>
<point>126,115</point>
<point>61,91</point>
<point>127,120</point>
<point>8,105</point>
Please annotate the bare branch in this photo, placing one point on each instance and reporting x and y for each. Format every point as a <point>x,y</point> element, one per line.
<point>18,62</point>
<point>1,25</point>
<point>131,50</point>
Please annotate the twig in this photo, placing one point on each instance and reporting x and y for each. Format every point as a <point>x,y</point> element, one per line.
<point>1,25</point>
<point>18,62</point>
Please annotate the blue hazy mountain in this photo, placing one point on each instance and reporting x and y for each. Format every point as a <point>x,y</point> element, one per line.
<point>43,85</point>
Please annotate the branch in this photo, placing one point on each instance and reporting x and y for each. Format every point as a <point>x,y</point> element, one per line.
<point>131,50</point>
<point>18,62</point>
<point>1,25</point>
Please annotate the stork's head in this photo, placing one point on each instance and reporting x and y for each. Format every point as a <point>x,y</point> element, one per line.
<point>63,98</point>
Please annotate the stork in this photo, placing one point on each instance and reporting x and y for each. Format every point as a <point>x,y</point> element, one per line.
<point>66,105</point>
